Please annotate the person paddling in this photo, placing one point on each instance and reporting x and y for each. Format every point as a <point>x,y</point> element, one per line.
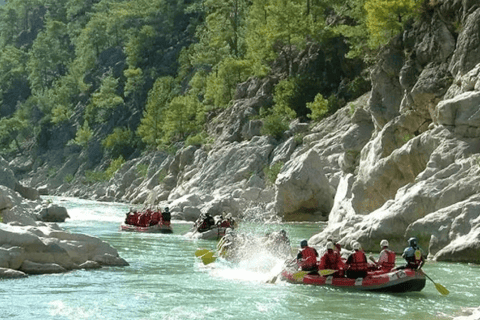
<point>413,255</point>
<point>332,260</point>
<point>357,265</point>
<point>386,259</point>
<point>307,257</point>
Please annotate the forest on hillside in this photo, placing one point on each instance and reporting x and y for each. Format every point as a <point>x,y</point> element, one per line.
<point>147,74</point>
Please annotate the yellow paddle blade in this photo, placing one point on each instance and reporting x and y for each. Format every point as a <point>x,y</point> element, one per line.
<point>326,272</point>
<point>201,252</point>
<point>441,289</point>
<point>208,260</point>
<point>209,254</point>
<point>299,275</point>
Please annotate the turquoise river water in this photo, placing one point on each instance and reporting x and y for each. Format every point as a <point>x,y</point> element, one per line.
<point>166,281</point>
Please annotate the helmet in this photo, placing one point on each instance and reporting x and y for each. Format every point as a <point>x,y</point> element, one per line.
<point>330,245</point>
<point>357,246</point>
<point>413,242</point>
<point>384,243</point>
<point>303,243</point>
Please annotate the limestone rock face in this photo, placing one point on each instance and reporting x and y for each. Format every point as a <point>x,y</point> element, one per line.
<point>303,186</point>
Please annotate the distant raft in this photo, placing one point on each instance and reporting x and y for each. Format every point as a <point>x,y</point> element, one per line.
<point>405,280</point>
<point>164,227</point>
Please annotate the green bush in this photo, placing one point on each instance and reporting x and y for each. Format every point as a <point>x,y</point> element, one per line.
<point>274,125</point>
<point>68,178</point>
<point>95,176</point>
<point>272,172</point>
<point>115,165</point>
<point>319,107</point>
<point>142,169</point>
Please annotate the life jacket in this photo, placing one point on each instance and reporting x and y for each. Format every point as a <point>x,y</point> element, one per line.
<point>144,220</point>
<point>390,263</point>
<point>156,218</point>
<point>330,260</point>
<point>309,258</point>
<point>359,261</point>
<point>225,224</point>
<point>413,256</point>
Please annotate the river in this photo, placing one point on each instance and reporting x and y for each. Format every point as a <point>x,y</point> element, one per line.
<point>166,281</point>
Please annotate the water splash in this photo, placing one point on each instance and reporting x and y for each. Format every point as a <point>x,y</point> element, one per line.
<point>253,257</point>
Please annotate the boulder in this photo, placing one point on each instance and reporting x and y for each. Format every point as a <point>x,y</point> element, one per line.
<point>54,213</point>
<point>30,267</point>
<point>6,273</point>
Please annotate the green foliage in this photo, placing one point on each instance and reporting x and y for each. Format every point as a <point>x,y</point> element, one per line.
<point>114,166</point>
<point>183,117</point>
<point>11,130</point>
<point>288,23</point>
<point>119,142</point>
<point>50,55</point>
<point>68,178</point>
<point>151,129</point>
<point>60,113</point>
<point>385,18</point>
<point>221,84</point>
<point>284,91</point>
<point>142,169</point>
<point>319,107</point>
<point>197,140</point>
<point>83,135</point>
<point>95,176</point>
<point>105,99</point>
<point>274,125</point>
<point>271,173</point>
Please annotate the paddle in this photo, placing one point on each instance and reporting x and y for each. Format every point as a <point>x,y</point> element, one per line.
<point>201,252</point>
<point>299,275</point>
<point>438,286</point>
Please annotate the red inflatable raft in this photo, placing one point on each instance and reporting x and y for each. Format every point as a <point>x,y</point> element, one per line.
<point>157,228</point>
<point>405,280</point>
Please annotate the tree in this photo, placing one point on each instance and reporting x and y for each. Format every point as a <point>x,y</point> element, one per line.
<point>184,117</point>
<point>385,18</point>
<point>151,128</point>
<point>50,55</point>
<point>221,83</point>
<point>11,129</point>
<point>276,25</point>
<point>106,98</point>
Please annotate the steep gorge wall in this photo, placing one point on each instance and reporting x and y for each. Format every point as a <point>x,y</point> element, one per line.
<point>399,161</point>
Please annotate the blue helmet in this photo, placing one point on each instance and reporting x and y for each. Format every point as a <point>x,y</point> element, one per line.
<point>413,242</point>
<point>303,243</point>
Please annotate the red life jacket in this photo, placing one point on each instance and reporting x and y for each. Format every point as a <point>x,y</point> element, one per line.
<point>309,257</point>
<point>390,263</point>
<point>330,260</point>
<point>156,217</point>
<point>359,261</point>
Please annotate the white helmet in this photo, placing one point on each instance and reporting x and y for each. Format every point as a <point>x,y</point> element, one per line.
<point>330,245</point>
<point>384,243</point>
<point>357,246</point>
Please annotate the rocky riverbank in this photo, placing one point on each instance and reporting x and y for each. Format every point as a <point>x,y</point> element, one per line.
<point>403,160</point>
<point>32,243</point>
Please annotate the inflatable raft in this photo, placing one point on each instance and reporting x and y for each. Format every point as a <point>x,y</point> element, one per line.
<point>164,227</point>
<point>405,280</point>
<point>214,233</point>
